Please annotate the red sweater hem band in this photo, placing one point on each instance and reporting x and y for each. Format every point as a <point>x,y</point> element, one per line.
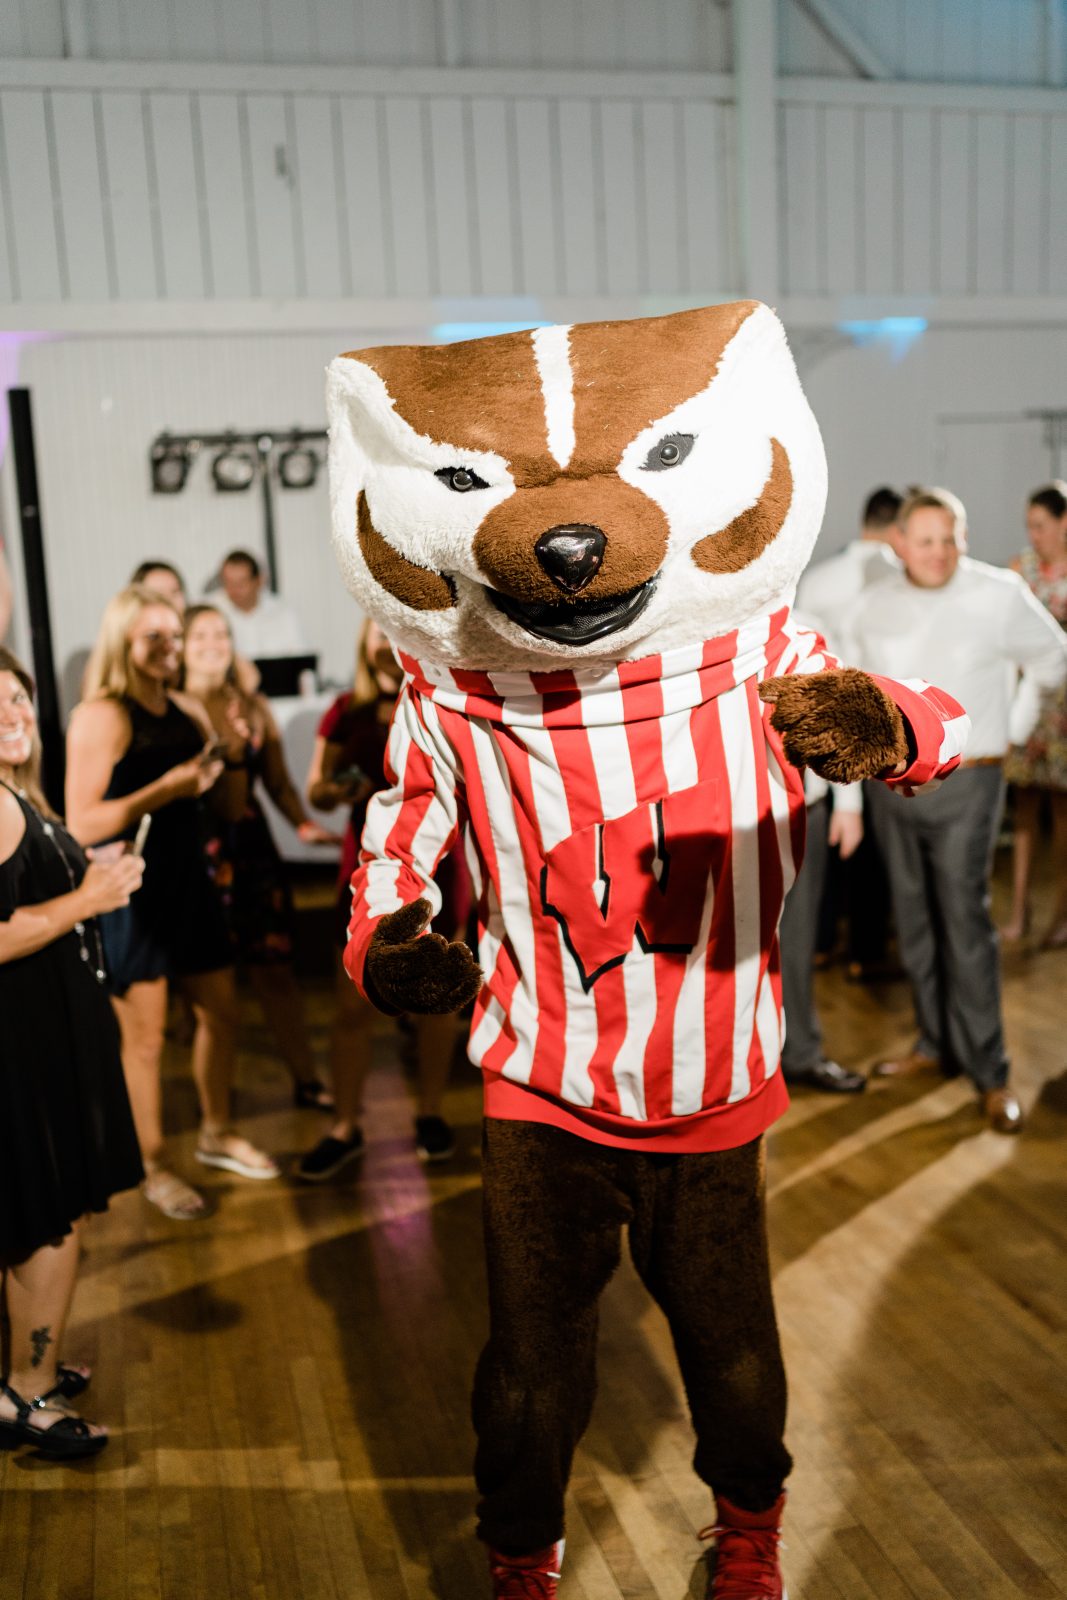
<point>722,1127</point>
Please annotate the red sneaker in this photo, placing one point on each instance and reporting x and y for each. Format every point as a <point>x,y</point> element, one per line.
<point>746,1553</point>
<point>526,1577</point>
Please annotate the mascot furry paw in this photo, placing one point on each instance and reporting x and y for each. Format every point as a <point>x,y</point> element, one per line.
<point>431,976</point>
<point>583,542</point>
<point>838,723</point>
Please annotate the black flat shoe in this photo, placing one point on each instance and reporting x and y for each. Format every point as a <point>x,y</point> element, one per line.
<point>329,1157</point>
<point>312,1096</point>
<point>830,1077</point>
<point>69,1439</point>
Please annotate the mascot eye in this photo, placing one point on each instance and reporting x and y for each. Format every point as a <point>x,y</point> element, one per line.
<point>460,479</point>
<point>670,452</point>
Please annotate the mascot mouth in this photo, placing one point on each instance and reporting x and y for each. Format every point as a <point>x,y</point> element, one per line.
<point>575,621</point>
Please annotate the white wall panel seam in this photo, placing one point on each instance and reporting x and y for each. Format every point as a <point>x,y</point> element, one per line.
<point>429,167</point>
<point>898,191</point>
<point>1046,208</point>
<point>204,216</point>
<point>385,189</point>
<point>248,193</point>
<point>62,257</point>
<point>10,245</point>
<point>518,257</point>
<point>105,198</point>
<point>1010,207</point>
<point>344,240</point>
<point>555,144</point>
<point>155,220</point>
<point>470,168</point>
<point>296,201</point>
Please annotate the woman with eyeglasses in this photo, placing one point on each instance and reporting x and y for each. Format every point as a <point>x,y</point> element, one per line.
<point>67,1140</point>
<point>138,748</point>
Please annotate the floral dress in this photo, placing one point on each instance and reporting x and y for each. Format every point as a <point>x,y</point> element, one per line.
<point>1042,762</point>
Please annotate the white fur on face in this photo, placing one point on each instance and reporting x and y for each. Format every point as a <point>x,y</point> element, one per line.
<point>754,397</point>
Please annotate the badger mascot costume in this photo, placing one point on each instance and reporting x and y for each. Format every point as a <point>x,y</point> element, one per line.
<point>583,542</point>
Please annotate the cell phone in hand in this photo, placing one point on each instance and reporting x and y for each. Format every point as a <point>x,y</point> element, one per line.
<point>213,751</point>
<point>350,777</point>
<point>137,847</point>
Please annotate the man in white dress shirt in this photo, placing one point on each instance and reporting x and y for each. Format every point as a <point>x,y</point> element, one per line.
<point>832,589</point>
<point>263,626</point>
<point>978,632</point>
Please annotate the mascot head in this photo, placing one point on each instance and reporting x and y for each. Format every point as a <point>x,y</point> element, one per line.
<point>591,493</point>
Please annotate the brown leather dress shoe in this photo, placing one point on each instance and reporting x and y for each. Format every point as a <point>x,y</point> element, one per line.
<point>908,1066</point>
<point>1003,1110</point>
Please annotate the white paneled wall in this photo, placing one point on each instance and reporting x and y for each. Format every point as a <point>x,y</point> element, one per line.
<point>439,186</point>
<point>888,195</point>
<point>420,192</point>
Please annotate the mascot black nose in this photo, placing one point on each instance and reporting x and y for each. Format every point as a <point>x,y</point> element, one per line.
<point>571,555</point>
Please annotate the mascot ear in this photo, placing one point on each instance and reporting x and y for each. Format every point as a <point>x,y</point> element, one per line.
<point>840,724</point>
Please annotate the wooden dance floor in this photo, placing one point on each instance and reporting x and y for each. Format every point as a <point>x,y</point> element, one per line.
<point>287,1384</point>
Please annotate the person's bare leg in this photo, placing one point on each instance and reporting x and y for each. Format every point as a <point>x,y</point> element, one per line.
<point>351,1038</point>
<point>436,1041</point>
<point>39,1293</point>
<point>214,1001</point>
<point>1056,936</point>
<point>282,1004</point>
<point>1026,807</point>
<point>142,1015</point>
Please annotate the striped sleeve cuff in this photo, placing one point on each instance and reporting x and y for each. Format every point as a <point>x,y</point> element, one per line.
<point>938,727</point>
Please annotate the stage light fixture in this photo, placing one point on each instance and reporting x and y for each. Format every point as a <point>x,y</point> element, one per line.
<point>298,466</point>
<point>170,464</point>
<point>234,468</point>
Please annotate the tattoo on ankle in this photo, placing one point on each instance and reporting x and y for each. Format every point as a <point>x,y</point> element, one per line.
<point>40,1338</point>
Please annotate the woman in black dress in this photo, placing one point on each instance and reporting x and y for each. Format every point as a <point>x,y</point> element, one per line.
<point>67,1140</point>
<point>136,748</point>
<point>245,865</point>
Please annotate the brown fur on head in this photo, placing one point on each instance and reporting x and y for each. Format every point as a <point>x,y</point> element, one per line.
<point>574,494</point>
<point>840,724</point>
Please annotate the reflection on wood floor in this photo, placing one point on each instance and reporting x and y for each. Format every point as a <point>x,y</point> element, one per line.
<point>288,1382</point>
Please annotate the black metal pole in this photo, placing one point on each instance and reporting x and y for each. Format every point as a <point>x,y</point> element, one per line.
<point>264,446</point>
<point>33,562</point>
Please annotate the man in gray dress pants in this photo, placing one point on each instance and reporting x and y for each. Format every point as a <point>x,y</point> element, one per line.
<point>980,634</point>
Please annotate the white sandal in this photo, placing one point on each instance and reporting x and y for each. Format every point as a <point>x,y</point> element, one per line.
<point>230,1163</point>
<point>170,1194</point>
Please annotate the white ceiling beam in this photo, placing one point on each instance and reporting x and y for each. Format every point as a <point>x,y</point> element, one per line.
<point>839,30</point>
<point>755,28</point>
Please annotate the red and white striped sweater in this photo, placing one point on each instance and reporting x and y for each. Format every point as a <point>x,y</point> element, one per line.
<point>631,833</point>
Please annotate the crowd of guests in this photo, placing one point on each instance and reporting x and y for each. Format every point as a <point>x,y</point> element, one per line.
<point>906,601</point>
<point>163,880</point>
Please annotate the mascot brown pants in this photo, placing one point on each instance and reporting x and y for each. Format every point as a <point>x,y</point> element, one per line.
<point>555,1207</point>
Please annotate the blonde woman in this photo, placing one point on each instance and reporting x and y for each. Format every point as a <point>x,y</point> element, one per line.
<point>67,1140</point>
<point>137,748</point>
<point>243,858</point>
